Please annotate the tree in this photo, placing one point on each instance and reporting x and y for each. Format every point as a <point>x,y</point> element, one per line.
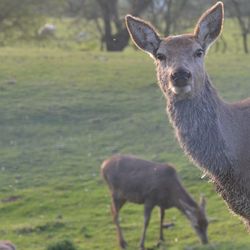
<point>108,19</point>
<point>116,38</point>
<point>21,19</point>
<point>174,16</point>
<point>173,13</point>
<point>17,19</point>
<point>240,9</point>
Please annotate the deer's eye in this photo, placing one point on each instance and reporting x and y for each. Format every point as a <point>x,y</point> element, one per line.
<point>199,53</point>
<point>160,56</point>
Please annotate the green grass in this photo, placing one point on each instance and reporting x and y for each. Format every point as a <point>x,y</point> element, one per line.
<point>62,113</point>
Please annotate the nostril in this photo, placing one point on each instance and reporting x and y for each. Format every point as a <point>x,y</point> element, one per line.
<point>180,74</point>
<point>174,75</point>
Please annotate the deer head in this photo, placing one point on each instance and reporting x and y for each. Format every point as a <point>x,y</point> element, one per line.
<point>179,59</point>
<point>197,218</point>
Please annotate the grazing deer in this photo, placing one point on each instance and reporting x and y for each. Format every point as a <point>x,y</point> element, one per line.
<point>212,132</point>
<point>152,184</point>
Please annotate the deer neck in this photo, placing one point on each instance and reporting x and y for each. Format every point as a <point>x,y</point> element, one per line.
<point>186,203</point>
<point>199,125</point>
<point>198,129</point>
<point>188,207</point>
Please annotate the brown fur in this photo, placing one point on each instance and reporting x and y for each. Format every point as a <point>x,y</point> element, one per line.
<point>7,245</point>
<point>151,184</point>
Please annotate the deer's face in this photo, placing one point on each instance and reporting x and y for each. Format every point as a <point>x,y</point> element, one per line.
<point>180,66</point>
<point>179,59</point>
<point>200,225</point>
<point>197,217</point>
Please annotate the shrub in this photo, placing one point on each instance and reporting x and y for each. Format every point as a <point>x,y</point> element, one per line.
<point>62,245</point>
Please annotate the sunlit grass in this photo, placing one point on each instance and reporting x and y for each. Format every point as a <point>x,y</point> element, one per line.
<point>62,113</point>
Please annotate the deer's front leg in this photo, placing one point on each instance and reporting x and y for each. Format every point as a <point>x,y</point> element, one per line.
<point>147,213</point>
<point>162,214</point>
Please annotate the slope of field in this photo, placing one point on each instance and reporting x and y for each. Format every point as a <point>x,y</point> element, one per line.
<point>62,113</point>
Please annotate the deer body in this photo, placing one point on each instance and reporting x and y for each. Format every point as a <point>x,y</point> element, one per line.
<point>213,133</point>
<point>6,245</point>
<point>152,184</point>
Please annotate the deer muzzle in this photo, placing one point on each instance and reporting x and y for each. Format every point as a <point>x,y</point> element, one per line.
<point>180,81</point>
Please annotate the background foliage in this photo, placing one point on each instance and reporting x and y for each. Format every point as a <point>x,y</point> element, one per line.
<point>100,24</point>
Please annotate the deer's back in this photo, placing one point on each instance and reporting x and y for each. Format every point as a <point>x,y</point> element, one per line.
<point>138,180</point>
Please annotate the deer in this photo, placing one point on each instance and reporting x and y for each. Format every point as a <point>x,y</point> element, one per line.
<point>7,245</point>
<point>213,133</point>
<point>131,179</point>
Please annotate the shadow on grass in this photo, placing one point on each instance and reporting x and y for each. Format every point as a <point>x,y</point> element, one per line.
<point>212,246</point>
<point>219,246</point>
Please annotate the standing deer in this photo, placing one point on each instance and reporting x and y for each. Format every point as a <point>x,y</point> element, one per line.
<point>212,132</point>
<point>152,184</point>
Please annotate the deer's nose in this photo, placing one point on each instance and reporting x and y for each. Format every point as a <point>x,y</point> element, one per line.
<point>180,77</point>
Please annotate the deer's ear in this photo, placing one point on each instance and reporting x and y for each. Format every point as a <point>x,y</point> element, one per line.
<point>143,34</point>
<point>209,25</point>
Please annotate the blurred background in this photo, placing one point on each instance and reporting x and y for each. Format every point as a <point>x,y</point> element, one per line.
<point>99,24</point>
<point>67,104</point>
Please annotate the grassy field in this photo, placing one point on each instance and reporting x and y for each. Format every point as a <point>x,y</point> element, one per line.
<point>62,113</point>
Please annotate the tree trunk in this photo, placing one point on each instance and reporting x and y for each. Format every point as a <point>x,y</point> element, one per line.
<point>174,10</point>
<point>242,24</point>
<point>168,18</point>
<point>119,40</point>
<point>221,43</point>
<point>245,45</point>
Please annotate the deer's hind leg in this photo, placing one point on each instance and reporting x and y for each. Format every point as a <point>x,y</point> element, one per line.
<point>117,203</point>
